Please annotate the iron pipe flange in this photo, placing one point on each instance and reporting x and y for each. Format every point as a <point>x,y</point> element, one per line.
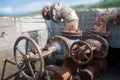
<point>70,34</point>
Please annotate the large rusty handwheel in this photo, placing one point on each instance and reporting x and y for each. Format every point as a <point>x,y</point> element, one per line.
<point>62,46</point>
<point>102,48</point>
<point>26,60</point>
<point>81,52</point>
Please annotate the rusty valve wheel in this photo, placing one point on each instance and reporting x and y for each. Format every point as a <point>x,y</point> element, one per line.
<point>99,42</point>
<point>81,52</point>
<point>26,60</point>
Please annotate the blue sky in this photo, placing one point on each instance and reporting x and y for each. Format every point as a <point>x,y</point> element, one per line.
<point>12,7</point>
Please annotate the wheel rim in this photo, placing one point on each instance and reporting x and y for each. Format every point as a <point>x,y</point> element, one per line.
<point>81,52</point>
<point>25,59</point>
<point>103,50</point>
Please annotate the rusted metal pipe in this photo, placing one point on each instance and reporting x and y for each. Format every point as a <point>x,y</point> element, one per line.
<point>93,69</point>
<point>63,74</point>
<point>104,18</point>
<point>69,67</point>
<point>58,11</point>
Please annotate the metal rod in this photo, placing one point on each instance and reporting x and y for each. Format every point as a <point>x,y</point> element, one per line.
<point>3,71</point>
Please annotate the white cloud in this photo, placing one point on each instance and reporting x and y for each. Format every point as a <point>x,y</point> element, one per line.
<point>31,7</point>
<point>6,10</point>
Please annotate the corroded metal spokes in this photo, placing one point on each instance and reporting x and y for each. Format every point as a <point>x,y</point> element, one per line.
<point>101,50</point>
<point>81,52</point>
<point>26,60</point>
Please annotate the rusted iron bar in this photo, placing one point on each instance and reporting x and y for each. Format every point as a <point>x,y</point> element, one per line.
<point>11,76</point>
<point>7,60</point>
<point>3,71</point>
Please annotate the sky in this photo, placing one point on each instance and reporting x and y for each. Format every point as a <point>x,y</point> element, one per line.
<point>12,7</point>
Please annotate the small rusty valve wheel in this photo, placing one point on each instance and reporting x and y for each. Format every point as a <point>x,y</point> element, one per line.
<point>81,52</point>
<point>26,60</point>
<point>99,42</point>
